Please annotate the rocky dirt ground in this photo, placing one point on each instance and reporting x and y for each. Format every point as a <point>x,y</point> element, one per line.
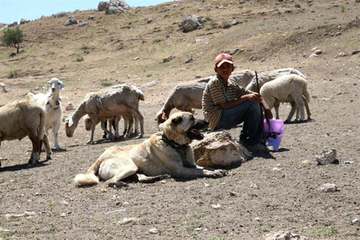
<point>261,197</point>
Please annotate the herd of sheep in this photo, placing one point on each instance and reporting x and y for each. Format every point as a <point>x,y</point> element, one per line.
<point>35,114</point>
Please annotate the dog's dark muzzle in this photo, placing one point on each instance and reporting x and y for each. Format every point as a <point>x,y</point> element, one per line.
<point>194,133</point>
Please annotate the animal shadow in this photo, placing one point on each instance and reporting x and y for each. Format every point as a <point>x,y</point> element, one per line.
<point>23,166</point>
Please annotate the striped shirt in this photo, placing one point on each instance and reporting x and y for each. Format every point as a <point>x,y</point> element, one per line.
<point>216,93</point>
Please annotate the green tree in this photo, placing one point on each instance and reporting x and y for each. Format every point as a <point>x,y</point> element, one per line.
<point>13,38</point>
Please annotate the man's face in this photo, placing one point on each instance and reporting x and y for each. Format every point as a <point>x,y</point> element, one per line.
<point>224,70</point>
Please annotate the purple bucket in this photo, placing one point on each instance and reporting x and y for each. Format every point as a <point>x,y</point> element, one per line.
<point>274,133</point>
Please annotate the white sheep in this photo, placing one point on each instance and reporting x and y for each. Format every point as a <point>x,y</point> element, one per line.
<point>288,88</point>
<point>23,118</point>
<point>129,118</point>
<point>267,76</point>
<point>103,105</point>
<point>51,102</point>
<point>188,96</point>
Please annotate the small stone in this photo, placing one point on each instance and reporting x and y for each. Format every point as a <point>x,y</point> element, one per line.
<point>341,54</point>
<point>355,221</point>
<point>189,60</point>
<point>306,163</point>
<point>257,219</point>
<point>126,220</point>
<point>216,206</point>
<point>327,157</point>
<point>63,215</point>
<point>198,229</point>
<point>348,162</point>
<point>168,59</point>
<point>206,185</point>
<point>318,51</point>
<point>153,231</point>
<point>233,194</point>
<point>329,187</point>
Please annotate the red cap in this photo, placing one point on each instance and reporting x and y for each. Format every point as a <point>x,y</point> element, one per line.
<point>223,58</point>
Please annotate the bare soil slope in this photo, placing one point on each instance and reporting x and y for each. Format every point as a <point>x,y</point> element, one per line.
<point>260,197</point>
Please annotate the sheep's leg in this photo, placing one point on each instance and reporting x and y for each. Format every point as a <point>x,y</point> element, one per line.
<point>36,148</point>
<point>55,131</point>
<point>126,125</point>
<point>93,125</point>
<point>131,126</point>
<point>115,124</point>
<point>140,117</point>
<point>291,113</point>
<point>47,147</point>
<point>136,124</point>
<point>307,108</point>
<point>300,106</point>
<point>276,106</point>
<point>104,128</point>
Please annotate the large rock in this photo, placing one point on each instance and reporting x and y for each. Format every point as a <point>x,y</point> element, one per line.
<point>218,149</point>
<point>113,6</point>
<point>191,23</point>
<point>327,157</point>
<point>71,21</point>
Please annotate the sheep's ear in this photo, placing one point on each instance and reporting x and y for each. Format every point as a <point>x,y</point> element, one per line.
<point>176,120</point>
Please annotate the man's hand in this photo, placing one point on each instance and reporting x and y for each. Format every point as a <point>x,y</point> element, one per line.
<point>268,114</point>
<point>255,97</point>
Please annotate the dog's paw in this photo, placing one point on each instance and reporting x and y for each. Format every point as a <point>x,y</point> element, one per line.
<point>217,173</point>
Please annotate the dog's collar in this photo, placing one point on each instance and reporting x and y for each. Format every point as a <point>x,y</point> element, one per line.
<point>173,144</point>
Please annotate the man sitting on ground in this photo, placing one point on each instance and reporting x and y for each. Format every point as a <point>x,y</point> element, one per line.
<point>225,104</point>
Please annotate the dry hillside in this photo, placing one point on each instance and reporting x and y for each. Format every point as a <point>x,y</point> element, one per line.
<point>145,47</point>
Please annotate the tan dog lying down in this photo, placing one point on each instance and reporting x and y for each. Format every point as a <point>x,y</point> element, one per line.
<point>164,153</point>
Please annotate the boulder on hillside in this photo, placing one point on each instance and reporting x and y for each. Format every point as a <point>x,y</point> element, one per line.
<point>191,23</point>
<point>71,21</point>
<point>113,6</point>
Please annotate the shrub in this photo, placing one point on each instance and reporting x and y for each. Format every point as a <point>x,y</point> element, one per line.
<point>13,73</point>
<point>13,38</point>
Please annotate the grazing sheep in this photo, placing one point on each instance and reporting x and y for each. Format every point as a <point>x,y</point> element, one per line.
<point>288,88</point>
<point>185,97</point>
<point>127,117</point>
<point>51,102</point>
<point>103,105</point>
<point>23,118</point>
<point>271,75</point>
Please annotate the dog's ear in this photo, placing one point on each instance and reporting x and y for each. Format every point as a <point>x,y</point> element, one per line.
<point>176,120</point>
